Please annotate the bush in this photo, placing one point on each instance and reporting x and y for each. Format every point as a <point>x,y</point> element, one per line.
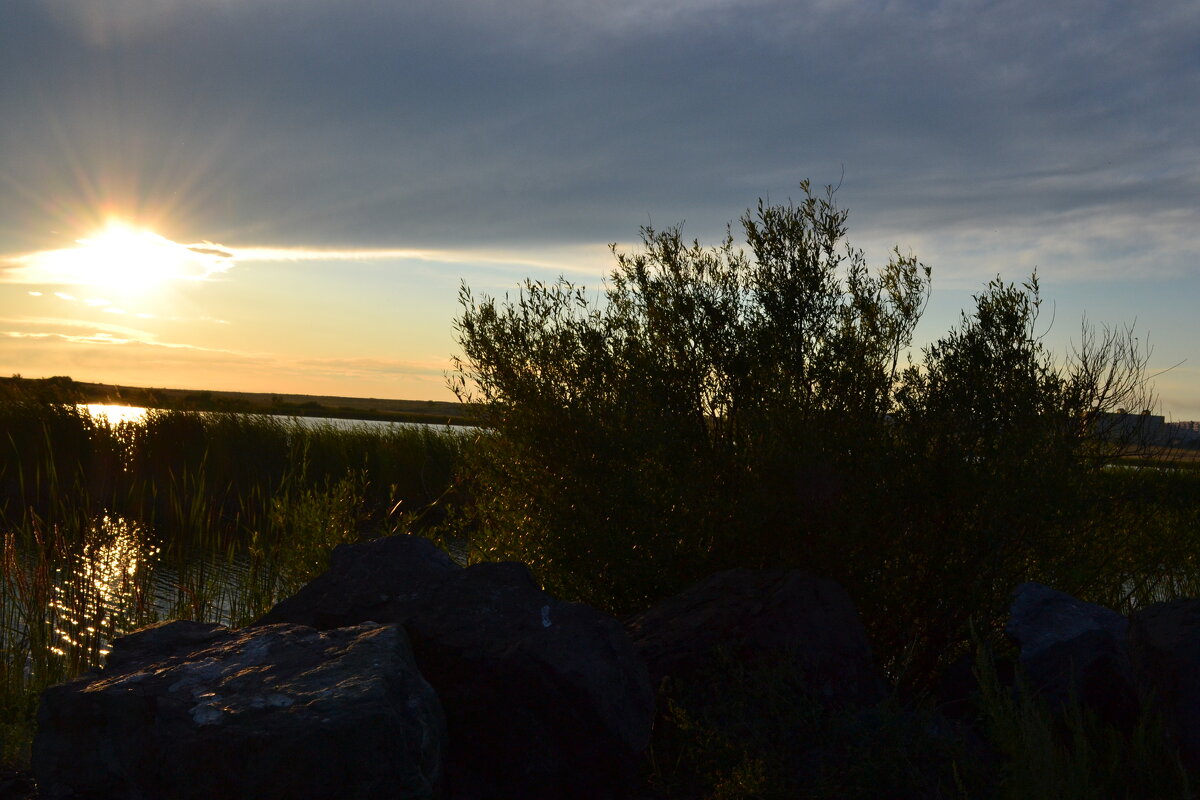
<point>719,408</point>
<point>707,413</point>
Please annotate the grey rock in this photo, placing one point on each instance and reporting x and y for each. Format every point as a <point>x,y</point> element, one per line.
<point>764,614</point>
<point>1041,617</point>
<point>543,698</point>
<point>380,580</point>
<point>185,710</point>
<point>1069,648</point>
<point>1164,641</point>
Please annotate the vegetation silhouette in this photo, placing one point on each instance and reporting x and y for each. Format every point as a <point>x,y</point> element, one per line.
<point>719,407</point>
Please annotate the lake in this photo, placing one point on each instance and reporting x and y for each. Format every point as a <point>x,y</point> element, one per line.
<point>117,414</point>
<point>216,529</point>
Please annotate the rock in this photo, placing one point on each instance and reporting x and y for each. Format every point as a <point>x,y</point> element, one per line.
<point>379,580</point>
<point>186,710</point>
<point>1164,641</point>
<point>543,698</point>
<point>1041,617</point>
<point>551,696</point>
<point>1069,647</point>
<point>764,614</point>
<point>16,785</point>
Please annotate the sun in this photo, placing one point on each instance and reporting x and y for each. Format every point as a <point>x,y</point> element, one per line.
<point>124,259</point>
<point>127,259</point>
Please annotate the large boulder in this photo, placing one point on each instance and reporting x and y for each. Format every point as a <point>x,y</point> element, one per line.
<point>381,580</point>
<point>189,710</point>
<point>765,614</point>
<point>1072,649</point>
<point>543,698</point>
<point>1164,641</point>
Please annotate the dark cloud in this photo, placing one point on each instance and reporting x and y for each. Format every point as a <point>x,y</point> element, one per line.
<point>362,123</point>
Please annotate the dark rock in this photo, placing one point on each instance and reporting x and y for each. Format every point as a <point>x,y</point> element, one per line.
<point>551,696</point>
<point>1164,640</point>
<point>543,698</point>
<point>1072,648</point>
<point>185,710</point>
<point>1041,617</point>
<point>16,785</point>
<point>380,580</point>
<point>764,614</point>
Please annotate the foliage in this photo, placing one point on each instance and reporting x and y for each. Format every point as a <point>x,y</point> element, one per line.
<point>718,407</point>
<point>1151,520</point>
<point>997,476</point>
<point>680,425</point>
<point>739,731</point>
<point>1071,754</point>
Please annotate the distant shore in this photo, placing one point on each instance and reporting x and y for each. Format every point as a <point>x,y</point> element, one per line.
<point>61,388</point>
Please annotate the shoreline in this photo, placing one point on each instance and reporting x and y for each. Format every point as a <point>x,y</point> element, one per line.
<point>65,389</point>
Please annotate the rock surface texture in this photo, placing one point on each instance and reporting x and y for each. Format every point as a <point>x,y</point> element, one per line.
<point>756,614</point>
<point>1165,642</point>
<point>543,698</point>
<point>187,710</point>
<point>1069,647</point>
<point>382,580</point>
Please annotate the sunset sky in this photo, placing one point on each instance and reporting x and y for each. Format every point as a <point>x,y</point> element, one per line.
<point>284,195</point>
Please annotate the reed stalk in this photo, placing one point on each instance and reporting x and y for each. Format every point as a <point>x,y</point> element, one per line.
<point>210,517</point>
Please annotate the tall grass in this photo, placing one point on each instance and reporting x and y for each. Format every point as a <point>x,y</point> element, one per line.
<point>1152,530</point>
<point>211,517</point>
<point>757,733</point>
<point>738,731</point>
<point>1070,753</point>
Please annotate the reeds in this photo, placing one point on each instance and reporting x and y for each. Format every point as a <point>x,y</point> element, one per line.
<point>211,517</point>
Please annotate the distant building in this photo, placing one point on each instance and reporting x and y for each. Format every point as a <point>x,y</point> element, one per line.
<point>1186,434</point>
<point>1134,429</point>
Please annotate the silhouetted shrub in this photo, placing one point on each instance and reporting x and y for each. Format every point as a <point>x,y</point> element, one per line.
<point>717,408</point>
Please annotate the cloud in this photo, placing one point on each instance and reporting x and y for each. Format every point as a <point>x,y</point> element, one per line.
<point>119,257</point>
<point>75,331</point>
<point>586,258</point>
<point>207,249</point>
<point>458,124</point>
<point>986,136</point>
<point>374,367</point>
<point>41,324</point>
<point>1070,247</point>
<point>114,22</point>
<point>183,262</point>
<point>99,338</point>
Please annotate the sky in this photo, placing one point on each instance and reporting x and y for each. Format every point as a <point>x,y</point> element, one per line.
<point>285,195</point>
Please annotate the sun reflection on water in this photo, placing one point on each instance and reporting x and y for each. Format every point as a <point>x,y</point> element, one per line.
<point>115,414</point>
<point>101,591</point>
